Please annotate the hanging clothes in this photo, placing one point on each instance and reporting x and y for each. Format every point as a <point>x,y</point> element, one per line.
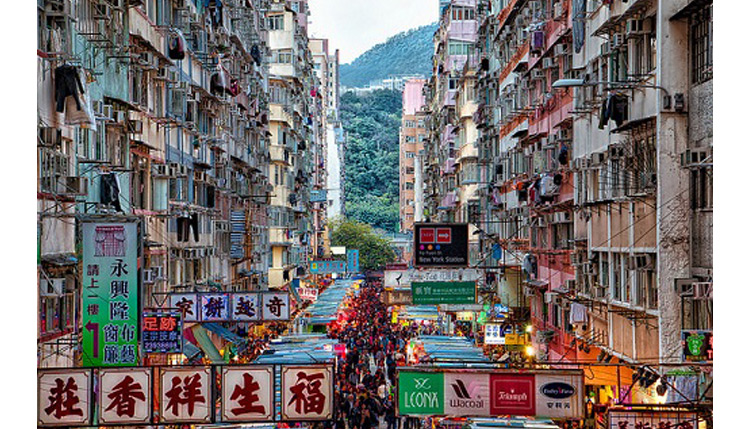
<point>67,84</point>
<point>194,225</point>
<point>563,155</point>
<point>618,108</point>
<point>579,24</point>
<point>177,44</point>
<point>255,53</point>
<point>109,191</point>
<point>547,186</point>
<point>578,313</point>
<point>603,114</point>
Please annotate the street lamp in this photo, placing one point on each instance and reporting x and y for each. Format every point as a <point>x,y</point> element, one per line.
<point>575,83</point>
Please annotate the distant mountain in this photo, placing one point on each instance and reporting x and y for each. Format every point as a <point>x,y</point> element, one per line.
<point>406,53</point>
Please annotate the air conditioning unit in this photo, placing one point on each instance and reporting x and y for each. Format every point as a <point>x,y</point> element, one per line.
<point>159,170</point>
<point>557,11</point>
<point>147,59</point>
<point>616,40</point>
<point>641,262</point>
<point>561,49</point>
<point>75,185</point>
<point>134,126</point>
<point>548,63</point>
<point>51,287</point>
<point>537,74</point>
<point>637,27</point>
<point>598,158</point>
<point>648,179</point>
<point>561,217</point>
<point>604,49</point>
<point>616,152</point>
<point>541,222</point>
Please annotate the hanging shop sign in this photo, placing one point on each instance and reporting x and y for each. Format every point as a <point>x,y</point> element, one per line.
<point>308,293</point>
<point>318,196</point>
<point>110,294</point>
<point>697,346</point>
<point>338,250</point>
<point>404,278</point>
<point>232,306</point>
<point>124,396</point>
<point>247,393</point>
<point>161,332</point>
<point>619,419</point>
<point>438,245</point>
<point>494,333</point>
<point>327,267</point>
<point>488,393</point>
<point>185,395</point>
<point>64,397</point>
<point>430,293</point>
<point>307,393</point>
<point>352,260</point>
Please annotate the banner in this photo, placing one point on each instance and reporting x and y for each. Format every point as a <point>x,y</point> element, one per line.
<point>352,261</point>
<point>697,346</point>
<point>428,293</point>
<point>161,332</point>
<point>231,306</point>
<point>327,267</point>
<point>494,333</point>
<point>404,278</point>
<point>441,245</point>
<point>318,196</point>
<point>186,395</point>
<point>490,392</point>
<point>308,293</point>
<point>110,294</point>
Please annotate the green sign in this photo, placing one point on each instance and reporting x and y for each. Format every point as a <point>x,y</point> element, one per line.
<point>443,293</point>
<point>420,393</point>
<point>110,294</point>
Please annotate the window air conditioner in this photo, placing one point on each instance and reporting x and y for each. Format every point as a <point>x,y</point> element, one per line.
<point>548,63</point>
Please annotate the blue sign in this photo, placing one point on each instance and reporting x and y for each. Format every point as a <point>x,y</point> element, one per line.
<point>497,252</point>
<point>318,196</point>
<point>327,267</point>
<point>352,260</point>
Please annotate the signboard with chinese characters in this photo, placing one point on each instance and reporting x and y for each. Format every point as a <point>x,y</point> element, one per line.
<point>494,333</point>
<point>110,294</point>
<point>438,245</point>
<point>308,293</point>
<point>215,307</point>
<point>318,196</point>
<point>186,395</point>
<point>161,332</point>
<point>124,396</point>
<point>64,397</point>
<point>307,393</point>
<point>188,305</point>
<point>489,393</point>
<point>275,306</point>
<point>633,419</point>
<point>404,278</point>
<point>352,260</point>
<point>429,293</point>
<point>245,307</point>
<point>697,346</point>
<point>247,393</point>
<point>327,267</point>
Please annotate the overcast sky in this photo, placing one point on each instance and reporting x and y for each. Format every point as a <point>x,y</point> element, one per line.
<point>354,26</point>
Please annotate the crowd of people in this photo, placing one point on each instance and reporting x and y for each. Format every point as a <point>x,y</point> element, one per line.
<point>375,346</point>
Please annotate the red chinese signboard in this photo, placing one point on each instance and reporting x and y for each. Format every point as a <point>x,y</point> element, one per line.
<point>307,393</point>
<point>247,393</point>
<point>124,396</point>
<point>64,398</point>
<point>186,395</point>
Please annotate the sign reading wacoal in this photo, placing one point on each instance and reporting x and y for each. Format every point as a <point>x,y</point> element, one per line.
<point>489,393</point>
<point>438,245</point>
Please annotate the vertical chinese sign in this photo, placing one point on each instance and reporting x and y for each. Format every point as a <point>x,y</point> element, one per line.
<point>186,395</point>
<point>352,260</point>
<point>110,294</point>
<point>64,398</point>
<point>307,393</point>
<point>247,393</point>
<point>124,396</point>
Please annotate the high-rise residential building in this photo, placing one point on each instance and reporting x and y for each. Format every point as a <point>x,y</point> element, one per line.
<point>411,148</point>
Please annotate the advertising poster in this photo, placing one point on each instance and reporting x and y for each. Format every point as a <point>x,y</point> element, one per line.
<point>421,393</point>
<point>161,332</point>
<point>467,394</point>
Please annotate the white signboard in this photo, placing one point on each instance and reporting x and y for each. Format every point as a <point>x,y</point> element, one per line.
<point>275,306</point>
<point>215,307</point>
<point>188,305</point>
<point>404,278</point>
<point>186,395</point>
<point>245,307</point>
<point>467,394</point>
<point>124,396</point>
<point>64,397</point>
<point>559,396</point>
<point>652,419</point>
<point>307,393</point>
<point>308,293</point>
<point>494,334</point>
<point>247,393</point>
<point>338,250</point>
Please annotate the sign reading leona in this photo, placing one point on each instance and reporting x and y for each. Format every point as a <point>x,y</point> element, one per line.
<point>488,393</point>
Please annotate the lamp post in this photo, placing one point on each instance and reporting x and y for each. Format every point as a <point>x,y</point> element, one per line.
<point>574,83</point>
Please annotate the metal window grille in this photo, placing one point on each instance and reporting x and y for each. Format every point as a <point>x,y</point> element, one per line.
<point>701,44</point>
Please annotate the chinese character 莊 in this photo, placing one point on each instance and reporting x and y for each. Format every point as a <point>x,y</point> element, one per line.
<point>63,399</point>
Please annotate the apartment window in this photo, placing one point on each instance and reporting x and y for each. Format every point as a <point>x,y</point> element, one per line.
<point>408,186</point>
<point>701,44</point>
<point>452,83</point>
<point>408,124</point>
<point>409,170</point>
<point>701,189</point>
<point>410,139</point>
<point>643,50</point>
<point>276,22</point>
<point>459,48</point>
<point>410,154</point>
<point>645,288</point>
<point>459,13</point>
<point>604,270</point>
<point>283,56</point>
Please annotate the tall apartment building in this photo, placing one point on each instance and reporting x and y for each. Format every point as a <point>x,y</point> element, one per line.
<point>594,143</point>
<point>181,129</point>
<point>411,149</point>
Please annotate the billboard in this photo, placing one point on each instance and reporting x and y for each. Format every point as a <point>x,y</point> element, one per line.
<point>490,392</point>
<point>438,245</point>
<point>307,393</point>
<point>652,419</point>
<point>428,293</point>
<point>231,306</point>
<point>110,294</point>
<point>161,332</point>
<point>404,278</point>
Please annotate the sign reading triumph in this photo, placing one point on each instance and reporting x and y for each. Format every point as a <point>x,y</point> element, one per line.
<point>487,393</point>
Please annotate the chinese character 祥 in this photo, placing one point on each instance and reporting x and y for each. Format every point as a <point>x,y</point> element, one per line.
<point>123,397</point>
<point>119,267</point>
<point>274,306</point>
<point>63,399</point>
<point>118,288</point>
<point>246,307</point>
<point>189,395</point>
<point>307,395</point>
<point>119,310</point>
<point>214,306</point>
<point>186,306</point>
<point>246,395</point>
<point>110,333</point>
